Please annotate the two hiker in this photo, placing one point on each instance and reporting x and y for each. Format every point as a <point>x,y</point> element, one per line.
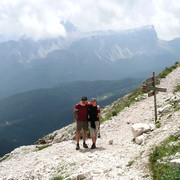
<point>87,113</point>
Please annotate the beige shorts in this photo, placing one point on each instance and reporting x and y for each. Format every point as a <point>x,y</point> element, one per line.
<point>82,125</point>
<point>94,132</point>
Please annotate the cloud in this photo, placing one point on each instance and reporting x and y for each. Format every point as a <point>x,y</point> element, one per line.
<point>167,19</point>
<point>41,19</point>
<point>30,20</point>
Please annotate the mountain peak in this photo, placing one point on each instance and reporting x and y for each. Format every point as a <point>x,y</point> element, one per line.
<point>69,26</point>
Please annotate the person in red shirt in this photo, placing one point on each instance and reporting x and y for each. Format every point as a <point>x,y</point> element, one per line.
<point>81,118</point>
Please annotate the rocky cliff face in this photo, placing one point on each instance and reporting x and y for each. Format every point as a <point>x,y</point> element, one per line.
<point>117,156</point>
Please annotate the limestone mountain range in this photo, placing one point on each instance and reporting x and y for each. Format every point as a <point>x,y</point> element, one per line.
<point>27,65</point>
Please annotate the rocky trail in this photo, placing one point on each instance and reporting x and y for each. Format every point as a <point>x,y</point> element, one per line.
<point>117,155</point>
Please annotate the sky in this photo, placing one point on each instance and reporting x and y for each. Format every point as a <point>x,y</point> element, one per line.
<point>40,19</point>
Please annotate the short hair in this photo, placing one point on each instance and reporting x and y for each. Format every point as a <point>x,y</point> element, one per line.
<point>84,98</point>
<point>93,99</point>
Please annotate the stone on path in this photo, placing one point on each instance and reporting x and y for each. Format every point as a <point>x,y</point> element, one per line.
<point>140,128</point>
<point>139,140</point>
<point>111,142</point>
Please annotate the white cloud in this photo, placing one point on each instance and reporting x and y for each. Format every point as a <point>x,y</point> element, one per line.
<point>167,19</point>
<point>31,20</point>
<point>40,19</point>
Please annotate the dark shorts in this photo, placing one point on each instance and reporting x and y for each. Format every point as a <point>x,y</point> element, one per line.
<point>82,125</point>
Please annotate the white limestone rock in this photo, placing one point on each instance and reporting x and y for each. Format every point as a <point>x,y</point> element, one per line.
<point>139,128</point>
<point>152,126</point>
<point>165,108</point>
<point>139,140</point>
<point>175,161</point>
<point>175,99</point>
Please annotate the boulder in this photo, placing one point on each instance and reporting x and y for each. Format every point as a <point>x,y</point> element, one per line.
<point>139,140</point>
<point>140,128</point>
<point>152,127</point>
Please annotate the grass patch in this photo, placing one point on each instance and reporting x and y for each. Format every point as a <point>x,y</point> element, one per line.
<point>58,178</point>
<point>130,163</point>
<point>177,89</point>
<point>177,107</point>
<point>114,113</point>
<point>161,168</point>
<point>46,138</point>
<point>4,158</point>
<point>142,153</point>
<point>43,147</point>
<point>166,71</point>
<point>73,164</point>
<point>158,125</point>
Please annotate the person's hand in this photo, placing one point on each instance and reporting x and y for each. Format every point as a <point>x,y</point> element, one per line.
<point>75,119</point>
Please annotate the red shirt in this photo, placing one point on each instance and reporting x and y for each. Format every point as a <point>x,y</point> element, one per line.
<point>82,112</point>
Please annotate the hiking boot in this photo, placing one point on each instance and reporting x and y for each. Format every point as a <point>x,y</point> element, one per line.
<point>77,147</point>
<point>85,145</point>
<point>93,146</point>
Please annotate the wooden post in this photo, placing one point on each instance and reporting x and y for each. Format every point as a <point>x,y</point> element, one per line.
<point>155,107</point>
<point>151,86</point>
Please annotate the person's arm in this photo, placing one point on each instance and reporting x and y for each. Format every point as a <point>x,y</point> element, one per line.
<point>74,112</point>
<point>99,115</point>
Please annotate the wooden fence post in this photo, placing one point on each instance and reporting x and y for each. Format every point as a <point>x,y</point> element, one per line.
<point>155,106</point>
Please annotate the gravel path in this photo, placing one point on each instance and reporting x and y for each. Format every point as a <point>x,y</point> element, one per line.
<point>122,159</point>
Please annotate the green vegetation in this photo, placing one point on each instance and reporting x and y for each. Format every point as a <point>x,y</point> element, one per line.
<point>159,159</point>
<point>142,152</point>
<point>177,103</point>
<point>46,138</point>
<point>73,164</point>
<point>177,107</point>
<point>4,158</point>
<point>130,163</point>
<point>114,113</point>
<point>43,147</point>
<point>158,124</point>
<point>58,178</point>
<point>177,89</point>
<point>167,70</point>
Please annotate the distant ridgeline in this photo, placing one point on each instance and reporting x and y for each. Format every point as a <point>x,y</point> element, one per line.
<point>28,116</point>
<point>27,65</point>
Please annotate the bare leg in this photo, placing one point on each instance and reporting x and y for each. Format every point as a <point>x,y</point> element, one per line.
<point>84,136</point>
<point>77,137</point>
<point>94,139</point>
